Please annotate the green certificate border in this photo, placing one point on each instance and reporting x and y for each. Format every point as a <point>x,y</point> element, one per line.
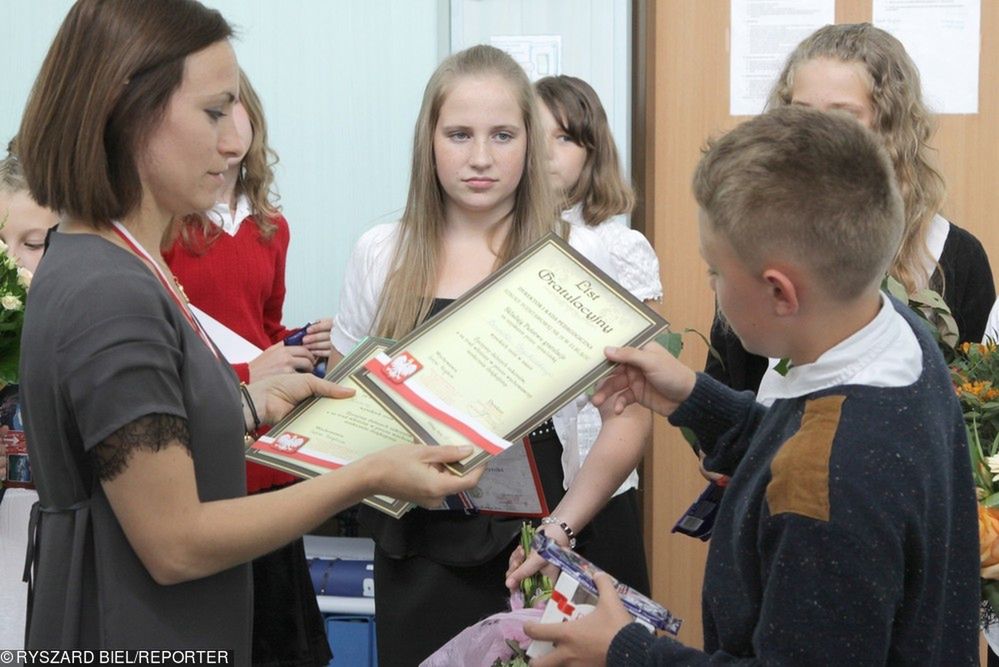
<point>342,370</point>
<point>656,324</point>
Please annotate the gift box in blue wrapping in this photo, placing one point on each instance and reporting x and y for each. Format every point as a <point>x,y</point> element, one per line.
<point>352,641</point>
<point>342,578</point>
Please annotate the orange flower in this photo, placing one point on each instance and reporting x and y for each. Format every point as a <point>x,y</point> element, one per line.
<point>988,540</point>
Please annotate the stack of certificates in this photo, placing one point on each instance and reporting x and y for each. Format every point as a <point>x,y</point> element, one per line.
<point>485,371</point>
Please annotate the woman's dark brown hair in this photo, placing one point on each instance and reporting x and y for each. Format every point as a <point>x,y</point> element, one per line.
<point>103,87</point>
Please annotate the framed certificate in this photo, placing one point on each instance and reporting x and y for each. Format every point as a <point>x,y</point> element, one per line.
<point>322,434</point>
<point>510,486</point>
<point>509,353</point>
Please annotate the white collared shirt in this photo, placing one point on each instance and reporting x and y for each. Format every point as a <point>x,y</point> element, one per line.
<point>884,353</point>
<point>222,216</point>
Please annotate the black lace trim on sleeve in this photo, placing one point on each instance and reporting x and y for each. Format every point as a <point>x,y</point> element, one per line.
<point>152,432</point>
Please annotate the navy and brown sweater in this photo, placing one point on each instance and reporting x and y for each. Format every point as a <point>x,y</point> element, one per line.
<point>848,533</point>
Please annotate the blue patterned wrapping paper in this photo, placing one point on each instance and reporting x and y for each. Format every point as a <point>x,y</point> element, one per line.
<point>583,571</point>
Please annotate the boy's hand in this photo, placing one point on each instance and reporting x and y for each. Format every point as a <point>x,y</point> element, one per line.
<point>650,376</point>
<point>585,641</point>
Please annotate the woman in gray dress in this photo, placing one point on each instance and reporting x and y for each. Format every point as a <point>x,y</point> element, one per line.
<point>136,424</point>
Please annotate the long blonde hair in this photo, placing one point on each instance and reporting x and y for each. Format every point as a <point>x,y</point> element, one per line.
<point>601,189</point>
<point>408,293</point>
<point>901,119</point>
<point>255,179</point>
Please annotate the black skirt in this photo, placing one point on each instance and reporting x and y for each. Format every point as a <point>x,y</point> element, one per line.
<point>426,594</point>
<point>288,628</point>
<point>421,604</point>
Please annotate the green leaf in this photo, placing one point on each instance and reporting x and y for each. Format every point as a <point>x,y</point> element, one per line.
<point>895,288</point>
<point>783,366</point>
<point>991,501</point>
<point>691,439</point>
<point>672,341</point>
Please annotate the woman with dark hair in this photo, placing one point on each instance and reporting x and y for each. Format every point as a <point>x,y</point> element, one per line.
<point>142,533</point>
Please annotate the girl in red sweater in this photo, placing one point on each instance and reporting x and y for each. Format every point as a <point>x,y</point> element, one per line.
<point>231,263</point>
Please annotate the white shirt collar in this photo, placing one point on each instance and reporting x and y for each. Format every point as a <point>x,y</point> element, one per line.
<point>936,237</point>
<point>884,353</point>
<point>574,215</point>
<point>222,216</point>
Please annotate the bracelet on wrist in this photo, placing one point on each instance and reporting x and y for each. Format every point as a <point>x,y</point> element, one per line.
<point>553,520</point>
<point>253,409</point>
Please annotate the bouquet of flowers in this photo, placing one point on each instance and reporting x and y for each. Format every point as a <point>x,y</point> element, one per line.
<point>975,374</point>
<point>14,282</point>
<point>499,641</point>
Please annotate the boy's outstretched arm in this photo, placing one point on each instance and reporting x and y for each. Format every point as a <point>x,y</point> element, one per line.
<point>650,376</point>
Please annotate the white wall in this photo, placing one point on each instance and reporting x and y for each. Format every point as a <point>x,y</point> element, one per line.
<point>596,44</point>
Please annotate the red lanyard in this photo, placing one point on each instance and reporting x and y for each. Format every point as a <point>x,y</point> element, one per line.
<point>137,248</point>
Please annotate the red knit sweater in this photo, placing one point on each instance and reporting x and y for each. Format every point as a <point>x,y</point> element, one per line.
<point>239,280</point>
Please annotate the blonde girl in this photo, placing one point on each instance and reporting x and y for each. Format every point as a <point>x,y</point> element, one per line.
<point>478,195</point>
<point>866,72</point>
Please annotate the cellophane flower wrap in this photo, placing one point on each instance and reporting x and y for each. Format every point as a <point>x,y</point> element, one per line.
<point>499,640</point>
<point>14,283</point>
<point>975,373</point>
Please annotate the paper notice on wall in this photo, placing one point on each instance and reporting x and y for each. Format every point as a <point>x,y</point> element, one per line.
<point>763,33</point>
<point>539,55</point>
<point>943,37</point>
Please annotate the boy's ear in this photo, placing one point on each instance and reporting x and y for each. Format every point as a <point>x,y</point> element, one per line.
<point>783,292</point>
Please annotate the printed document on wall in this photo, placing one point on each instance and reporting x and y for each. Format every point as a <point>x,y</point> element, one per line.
<point>763,33</point>
<point>539,55</point>
<point>943,37</point>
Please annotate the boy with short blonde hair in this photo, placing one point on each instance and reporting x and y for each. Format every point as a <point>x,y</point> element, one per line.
<point>848,532</point>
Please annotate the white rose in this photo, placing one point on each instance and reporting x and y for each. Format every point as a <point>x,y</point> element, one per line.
<point>24,277</point>
<point>11,302</point>
<point>3,246</point>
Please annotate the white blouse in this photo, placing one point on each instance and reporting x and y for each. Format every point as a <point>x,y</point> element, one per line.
<point>367,272</point>
<point>631,253</point>
<point>230,221</point>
